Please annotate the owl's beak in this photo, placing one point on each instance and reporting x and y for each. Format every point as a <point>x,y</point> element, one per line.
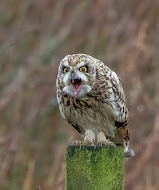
<point>76,83</point>
<point>73,77</point>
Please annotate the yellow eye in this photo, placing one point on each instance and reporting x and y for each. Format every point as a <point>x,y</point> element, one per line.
<point>83,69</point>
<point>65,69</point>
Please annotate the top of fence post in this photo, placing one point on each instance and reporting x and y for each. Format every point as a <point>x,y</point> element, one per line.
<point>89,168</point>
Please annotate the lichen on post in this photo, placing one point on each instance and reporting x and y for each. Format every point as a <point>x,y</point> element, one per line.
<point>89,168</point>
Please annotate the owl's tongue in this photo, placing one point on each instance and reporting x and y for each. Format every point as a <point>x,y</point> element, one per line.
<point>76,89</point>
<point>76,84</point>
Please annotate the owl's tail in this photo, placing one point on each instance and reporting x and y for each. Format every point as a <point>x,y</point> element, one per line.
<point>127,151</point>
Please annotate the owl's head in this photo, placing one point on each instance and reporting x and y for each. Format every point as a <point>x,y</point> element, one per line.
<point>77,74</point>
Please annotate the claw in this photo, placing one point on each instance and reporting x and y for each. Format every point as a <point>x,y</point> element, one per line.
<point>94,147</point>
<point>77,143</point>
<point>80,144</point>
<point>114,145</point>
<point>101,145</point>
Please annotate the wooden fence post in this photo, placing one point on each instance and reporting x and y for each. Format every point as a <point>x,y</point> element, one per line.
<point>89,168</point>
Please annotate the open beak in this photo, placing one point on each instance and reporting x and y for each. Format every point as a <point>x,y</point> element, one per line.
<point>76,83</point>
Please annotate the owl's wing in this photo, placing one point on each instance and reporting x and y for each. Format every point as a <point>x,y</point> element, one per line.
<point>120,106</point>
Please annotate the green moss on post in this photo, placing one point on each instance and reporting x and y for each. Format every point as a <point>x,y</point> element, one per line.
<point>94,169</point>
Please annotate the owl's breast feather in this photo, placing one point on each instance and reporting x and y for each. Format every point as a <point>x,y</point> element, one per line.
<point>87,114</point>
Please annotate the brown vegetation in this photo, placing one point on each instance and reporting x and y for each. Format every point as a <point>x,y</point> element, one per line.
<point>34,37</point>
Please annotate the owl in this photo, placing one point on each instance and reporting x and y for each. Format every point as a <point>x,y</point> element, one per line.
<point>92,100</point>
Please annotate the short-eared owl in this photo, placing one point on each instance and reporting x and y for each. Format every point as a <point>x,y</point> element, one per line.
<point>92,100</point>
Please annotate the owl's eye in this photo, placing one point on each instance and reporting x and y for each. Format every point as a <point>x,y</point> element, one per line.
<point>65,69</point>
<point>83,69</point>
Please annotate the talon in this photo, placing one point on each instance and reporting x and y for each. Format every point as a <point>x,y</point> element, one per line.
<point>114,145</point>
<point>77,143</point>
<point>80,144</point>
<point>101,145</point>
<point>94,147</point>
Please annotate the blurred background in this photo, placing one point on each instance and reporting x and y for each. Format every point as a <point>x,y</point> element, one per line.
<point>34,36</point>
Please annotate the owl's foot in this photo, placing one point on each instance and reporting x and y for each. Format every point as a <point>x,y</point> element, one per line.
<point>101,140</point>
<point>89,138</point>
<point>107,143</point>
<point>82,143</point>
<point>88,143</point>
<point>77,143</point>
